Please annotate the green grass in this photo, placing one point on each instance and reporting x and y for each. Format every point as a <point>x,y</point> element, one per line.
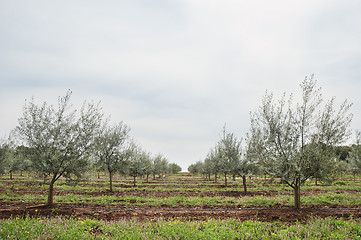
<point>69,228</point>
<point>343,192</point>
<point>331,198</point>
<point>342,199</point>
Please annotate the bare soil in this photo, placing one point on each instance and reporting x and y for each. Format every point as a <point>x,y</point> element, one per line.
<point>282,214</point>
<point>147,213</point>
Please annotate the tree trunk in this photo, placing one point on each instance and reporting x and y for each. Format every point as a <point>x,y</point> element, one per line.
<point>134,183</point>
<point>147,178</point>
<point>11,175</point>
<point>244,183</point>
<point>316,182</point>
<point>51,194</point>
<point>225,179</point>
<point>215,177</point>
<point>111,181</point>
<point>297,192</point>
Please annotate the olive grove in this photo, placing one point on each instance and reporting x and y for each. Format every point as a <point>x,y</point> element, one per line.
<point>288,139</point>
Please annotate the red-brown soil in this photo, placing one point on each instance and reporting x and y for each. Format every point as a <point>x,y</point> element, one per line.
<point>113,212</point>
<point>282,214</point>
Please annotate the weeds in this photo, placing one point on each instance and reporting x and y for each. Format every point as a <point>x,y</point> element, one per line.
<point>65,228</point>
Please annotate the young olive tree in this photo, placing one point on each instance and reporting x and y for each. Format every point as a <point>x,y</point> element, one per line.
<point>354,157</point>
<point>160,165</point>
<point>4,150</point>
<point>15,158</point>
<point>16,161</point>
<point>232,158</point>
<point>248,164</point>
<point>138,163</point>
<point>61,139</point>
<point>112,149</point>
<point>196,168</point>
<point>294,140</point>
<point>208,167</point>
<point>213,163</point>
<point>174,168</point>
<point>148,165</point>
<point>230,153</point>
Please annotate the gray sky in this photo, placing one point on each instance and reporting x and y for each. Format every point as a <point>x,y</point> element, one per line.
<point>176,70</point>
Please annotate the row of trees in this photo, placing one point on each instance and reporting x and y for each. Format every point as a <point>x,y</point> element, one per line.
<point>228,158</point>
<point>288,140</point>
<point>63,142</point>
<point>346,160</point>
<point>115,153</point>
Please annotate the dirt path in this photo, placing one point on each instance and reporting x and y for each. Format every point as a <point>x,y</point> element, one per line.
<point>282,214</point>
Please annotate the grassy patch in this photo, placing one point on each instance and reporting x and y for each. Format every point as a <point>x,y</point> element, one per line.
<point>65,228</point>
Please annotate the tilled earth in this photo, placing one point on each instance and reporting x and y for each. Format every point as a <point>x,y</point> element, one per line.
<point>149,213</point>
<point>282,214</point>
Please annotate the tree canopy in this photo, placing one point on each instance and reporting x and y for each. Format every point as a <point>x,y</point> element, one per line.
<point>61,138</point>
<point>293,140</point>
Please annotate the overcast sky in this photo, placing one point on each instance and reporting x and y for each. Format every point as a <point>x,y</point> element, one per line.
<point>176,71</point>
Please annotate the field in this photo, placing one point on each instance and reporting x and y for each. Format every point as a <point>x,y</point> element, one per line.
<point>179,206</point>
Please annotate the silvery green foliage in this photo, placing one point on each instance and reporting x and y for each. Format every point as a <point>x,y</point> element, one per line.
<point>111,147</point>
<point>227,157</point>
<point>136,166</point>
<point>147,163</point>
<point>174,168</point>
<point>112,150</point>
<point>61,139</point>
<point>139,163</point>
<point>207,166</point>
<point>196,168</point>
<point>213,162</point>
<point>16,160</point>
<point>160,165</point>
<point>4,151</point>
<point>230,153</point>
<point>355,155</point>
<point>293,141</point>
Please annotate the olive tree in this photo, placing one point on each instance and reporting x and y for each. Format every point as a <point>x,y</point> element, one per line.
<point>139,163</point>
<point>196,168</point>
<point>248,164</point>
<point>174,168</point>
<point>229,157</point>
<point>294,140</point>
<point>213,163</point>
<point>16,161</point>
<point>4,150</point>
<point>160,165</point>
<point>208,167</point>
<point>230,153</point>
<point>354,157</point>
<point>148,165</point>
<point>112,149</point>
<point>61,139</point>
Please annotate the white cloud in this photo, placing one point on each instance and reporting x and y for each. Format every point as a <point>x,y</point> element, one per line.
<point>176,71</point>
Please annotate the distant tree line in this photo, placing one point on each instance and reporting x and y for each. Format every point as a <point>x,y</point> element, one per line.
<point>59,141</point>
<point>293,141</point>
